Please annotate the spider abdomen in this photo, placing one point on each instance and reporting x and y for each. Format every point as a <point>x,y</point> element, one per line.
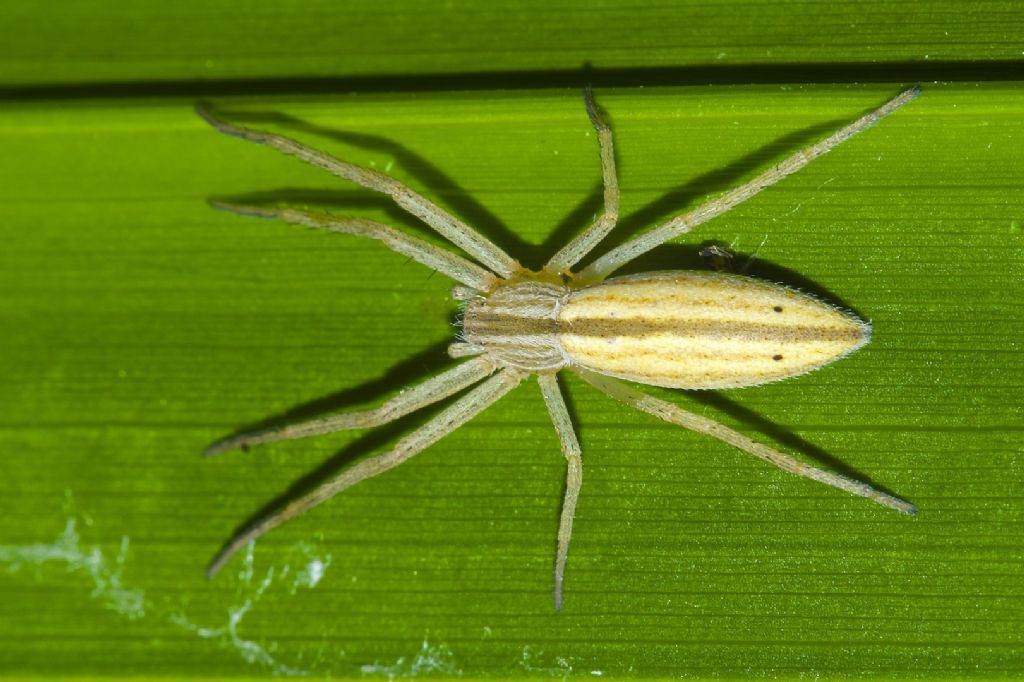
<point>703,330</point>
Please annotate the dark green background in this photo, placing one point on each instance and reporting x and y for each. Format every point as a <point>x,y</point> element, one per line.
<point>137,325</point>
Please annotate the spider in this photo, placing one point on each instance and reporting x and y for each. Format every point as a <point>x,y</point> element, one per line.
<point>678,329</point>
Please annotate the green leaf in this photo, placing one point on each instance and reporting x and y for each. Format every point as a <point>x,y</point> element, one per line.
<point>138,325</point>
<point>463,43</point>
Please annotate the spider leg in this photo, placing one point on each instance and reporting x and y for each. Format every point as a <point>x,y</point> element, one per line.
<point>579,247</point>
<point>574,474</point>
<point>676,415</point>
<point>456,267</point>
<point>461,349</point>
<point>450,227</point>
<point>448,420</point>
<point>439,387</point>
<point>619,256</point>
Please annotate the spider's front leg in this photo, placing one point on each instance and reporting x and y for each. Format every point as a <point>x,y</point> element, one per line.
<point>621,255</point>
<point>451,228</point>
<point>585,242</point>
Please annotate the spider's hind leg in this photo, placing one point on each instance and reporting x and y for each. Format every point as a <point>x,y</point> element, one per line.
<point>573,478</point>
<point>446,421</point>
<point>674,414</point>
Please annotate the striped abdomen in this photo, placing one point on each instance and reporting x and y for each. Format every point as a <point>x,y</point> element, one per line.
<point>703,330</point>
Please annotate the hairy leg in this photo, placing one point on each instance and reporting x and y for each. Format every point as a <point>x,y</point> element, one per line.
<point>451,418</point>
<point>439,387</point>
<point>450,227</point>
<point>676,415</point>
<point>445,262</point>
<point>619,256</point>
<point>579,247</point>
<point>573,478</point>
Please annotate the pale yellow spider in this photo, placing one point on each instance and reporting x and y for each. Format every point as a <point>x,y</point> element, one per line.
<point>682,329</point>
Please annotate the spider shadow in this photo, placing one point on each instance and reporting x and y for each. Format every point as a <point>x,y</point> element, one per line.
<point>335,201</point>
<point>439,183</point>
<point>532,256</point>
<point>581,216</point>
<point>744,415</point>
<point>409,371</point>
<point>682,198</point>
<point>423,364</point>
<point>784,437</point>
<point>672,203</point>
<point>371,441</point>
